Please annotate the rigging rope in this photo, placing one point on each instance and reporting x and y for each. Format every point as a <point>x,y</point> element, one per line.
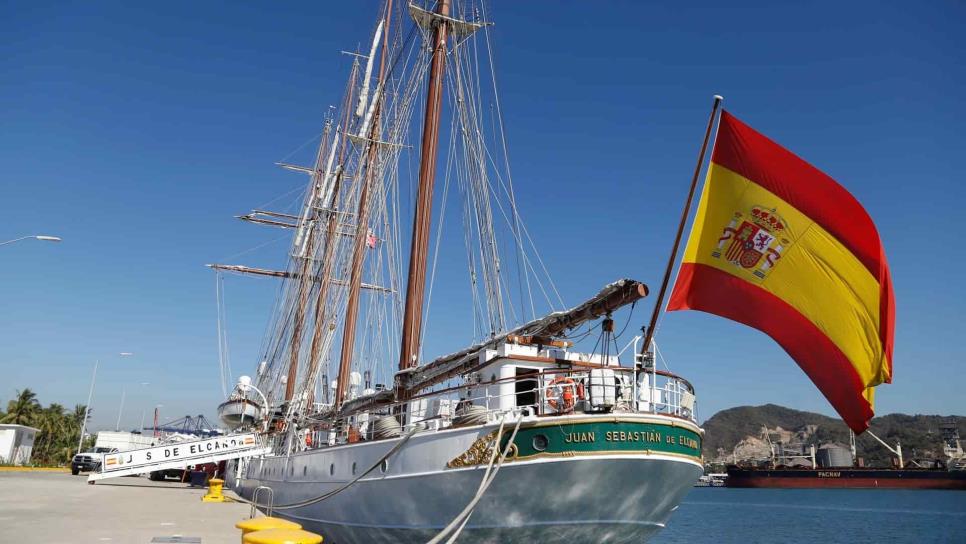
<point>455,527</point>
<point>224,358</point>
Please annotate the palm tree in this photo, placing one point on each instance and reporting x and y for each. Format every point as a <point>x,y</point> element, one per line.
<point>59,427</point>
<point>52,423</point>
<point>23,409</point>
<point>75,422</point>
<point>77,416</point>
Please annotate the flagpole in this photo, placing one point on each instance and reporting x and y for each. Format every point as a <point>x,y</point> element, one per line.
<point>649,331</point>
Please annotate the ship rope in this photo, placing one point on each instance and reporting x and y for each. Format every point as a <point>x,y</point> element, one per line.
<point>347,485</point>
<point>455,527</point>
<point>520,253</point>
<point>222,323</point>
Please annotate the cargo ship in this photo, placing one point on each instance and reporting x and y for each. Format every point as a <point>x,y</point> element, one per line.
<point>837,467</point>
<point>905,478</point>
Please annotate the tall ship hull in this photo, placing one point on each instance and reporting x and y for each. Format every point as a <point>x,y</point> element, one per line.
<point>868,478</point>
<point>614,478</point>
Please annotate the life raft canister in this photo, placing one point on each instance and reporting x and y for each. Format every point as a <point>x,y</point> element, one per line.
<point>562,394</point>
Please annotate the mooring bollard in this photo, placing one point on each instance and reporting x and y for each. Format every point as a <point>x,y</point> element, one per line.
<point>281,536</point>
<point>253,525</point>
<point>214,491</point>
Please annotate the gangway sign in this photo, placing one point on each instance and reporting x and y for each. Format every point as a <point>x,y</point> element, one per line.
<point>180,455</point>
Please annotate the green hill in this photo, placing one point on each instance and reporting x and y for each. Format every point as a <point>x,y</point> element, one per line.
<point>919,434</point>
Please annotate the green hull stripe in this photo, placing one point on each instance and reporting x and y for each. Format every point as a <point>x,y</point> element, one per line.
<point>605,437</point>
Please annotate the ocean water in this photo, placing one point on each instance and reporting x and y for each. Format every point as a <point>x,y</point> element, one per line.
<point>812,516</point>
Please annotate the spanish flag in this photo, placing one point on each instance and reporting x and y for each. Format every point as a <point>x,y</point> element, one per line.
<point>781,247</point>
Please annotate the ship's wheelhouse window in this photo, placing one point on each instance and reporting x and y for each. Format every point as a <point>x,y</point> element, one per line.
<point>526,386</point>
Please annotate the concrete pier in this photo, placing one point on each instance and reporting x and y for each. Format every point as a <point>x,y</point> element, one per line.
<point>57,508</point>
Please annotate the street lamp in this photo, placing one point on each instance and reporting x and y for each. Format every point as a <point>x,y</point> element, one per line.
<point>35,237</point>
<point>141,428</point>
<point>120,410</point>
<point>90,394</point>
<point>157,413</point>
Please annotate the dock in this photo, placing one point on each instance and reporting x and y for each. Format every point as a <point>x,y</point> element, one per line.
<point>57,508</point>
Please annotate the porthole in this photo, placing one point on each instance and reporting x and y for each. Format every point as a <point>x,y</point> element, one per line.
<point>305,470</point>
<point>540,442</point>
<point>384,467</point>
<point>332,469</point>
<point>353,469</point>
<point>291,471</point>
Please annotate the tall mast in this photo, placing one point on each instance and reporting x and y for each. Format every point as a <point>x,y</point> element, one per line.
<point>416,284</point>
<point>321,318</point>
<point>304,248</point>
<point>362,223</point>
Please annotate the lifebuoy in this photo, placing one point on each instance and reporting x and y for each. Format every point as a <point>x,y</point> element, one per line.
<point>562,393</point>
<point>308,439</point>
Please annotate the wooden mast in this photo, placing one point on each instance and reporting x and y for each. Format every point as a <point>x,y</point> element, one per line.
<point>416,284</point>
<point>293,364</point>
<point>362,224</point>
<point>305,253</point>
<point>327,255</point>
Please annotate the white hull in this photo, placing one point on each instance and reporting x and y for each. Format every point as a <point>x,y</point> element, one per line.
<point>597,497</point>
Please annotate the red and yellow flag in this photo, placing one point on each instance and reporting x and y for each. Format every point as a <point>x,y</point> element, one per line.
<point>781,247</point>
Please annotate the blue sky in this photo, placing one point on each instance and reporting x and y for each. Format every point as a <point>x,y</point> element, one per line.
<point>137,131</point>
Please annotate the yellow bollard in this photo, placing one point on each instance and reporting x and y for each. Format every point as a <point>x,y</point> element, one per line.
<point>214,491</point>
<point>281,536</point>
<point>264,523</point>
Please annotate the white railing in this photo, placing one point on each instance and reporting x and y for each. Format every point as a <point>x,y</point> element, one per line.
<point>545,393</point>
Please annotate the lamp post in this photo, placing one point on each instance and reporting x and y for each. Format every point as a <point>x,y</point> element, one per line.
<point>157,413</point>
<point>90,394</point>
<point>117,427</point>
<point>120,410</point>
<point>41,237</point>
<point>141,428</point>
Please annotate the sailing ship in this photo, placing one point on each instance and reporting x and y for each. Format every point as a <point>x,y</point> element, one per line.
<point>523,435</point>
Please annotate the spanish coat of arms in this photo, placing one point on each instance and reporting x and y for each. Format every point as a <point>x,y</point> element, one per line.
<point>754,242</point>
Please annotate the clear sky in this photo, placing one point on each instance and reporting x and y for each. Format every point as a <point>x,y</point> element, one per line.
<point>136,131</point>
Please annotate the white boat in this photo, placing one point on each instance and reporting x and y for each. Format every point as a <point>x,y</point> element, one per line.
<point>712,480</point>
<point>521,436</point>
<point>239,412</point>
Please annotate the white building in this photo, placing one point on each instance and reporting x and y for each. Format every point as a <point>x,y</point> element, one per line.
<point>16,443</point>
<point>124,441</point>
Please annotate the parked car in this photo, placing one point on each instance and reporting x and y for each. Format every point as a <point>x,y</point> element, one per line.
<point>160,475</point>
<point>89,460</point>
<point>183,475</point>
